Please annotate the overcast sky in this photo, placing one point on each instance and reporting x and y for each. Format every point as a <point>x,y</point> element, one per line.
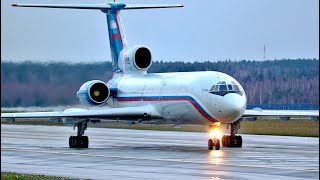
<point>202,30</point>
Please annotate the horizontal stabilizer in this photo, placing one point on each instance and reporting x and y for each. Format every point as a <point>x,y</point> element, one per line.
<point>69,6</point>
<point>151,6</point>
<point>108,6</point>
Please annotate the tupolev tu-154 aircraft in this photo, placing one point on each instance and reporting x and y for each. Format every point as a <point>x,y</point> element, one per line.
<point>206,98</point>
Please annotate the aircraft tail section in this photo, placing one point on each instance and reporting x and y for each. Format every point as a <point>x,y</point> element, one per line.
<point>117,40</point>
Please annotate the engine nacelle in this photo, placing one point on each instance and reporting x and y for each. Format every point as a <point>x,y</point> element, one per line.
<point>93,93</point>
<point>138,58</point>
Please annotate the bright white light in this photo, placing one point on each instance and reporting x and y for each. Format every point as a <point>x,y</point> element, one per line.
<point>216,133</point>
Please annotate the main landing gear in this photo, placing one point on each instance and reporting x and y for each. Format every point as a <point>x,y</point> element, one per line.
<point>79,141</point>
<point>232,140</point>
<point>227,140</point>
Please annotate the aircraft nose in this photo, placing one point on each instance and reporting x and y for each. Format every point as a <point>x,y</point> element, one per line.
<point>232,107</point>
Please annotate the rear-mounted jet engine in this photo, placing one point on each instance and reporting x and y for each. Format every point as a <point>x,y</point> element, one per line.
<point>93,93</point>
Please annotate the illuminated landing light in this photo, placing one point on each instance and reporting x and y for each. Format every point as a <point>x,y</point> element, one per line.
<point>216,133</point>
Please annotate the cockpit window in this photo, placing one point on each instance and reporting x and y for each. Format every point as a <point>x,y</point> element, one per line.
<point>216,88</point>
<point>222,88</point>
<point>213,87</point>
<point>236,88</point>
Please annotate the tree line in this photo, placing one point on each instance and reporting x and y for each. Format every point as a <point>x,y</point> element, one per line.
<point>56,83</point>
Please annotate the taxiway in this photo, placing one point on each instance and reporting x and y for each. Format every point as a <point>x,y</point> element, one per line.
<point>143,154</point>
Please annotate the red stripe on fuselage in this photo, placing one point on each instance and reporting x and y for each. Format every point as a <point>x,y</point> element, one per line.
<point>170,99</point>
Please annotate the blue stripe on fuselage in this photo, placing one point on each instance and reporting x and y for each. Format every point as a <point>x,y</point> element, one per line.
<point>170,98</point>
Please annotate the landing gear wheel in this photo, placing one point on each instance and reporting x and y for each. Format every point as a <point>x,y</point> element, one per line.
<point>224,140</point>
<point>78,142</point>
<point>213,143</point>
<point>72,142</point>
<point>85,141</point>
<point>210,144</point>
<point>217,144</point>
<point>238,141</point>
<point>228,141</point>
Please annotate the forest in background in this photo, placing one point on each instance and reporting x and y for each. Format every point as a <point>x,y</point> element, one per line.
<point>283,81</point>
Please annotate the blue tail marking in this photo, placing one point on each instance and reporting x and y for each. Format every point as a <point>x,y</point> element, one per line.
<point>116,36</point>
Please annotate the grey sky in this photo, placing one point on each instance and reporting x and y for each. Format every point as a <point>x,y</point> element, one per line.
<point>202,30</point>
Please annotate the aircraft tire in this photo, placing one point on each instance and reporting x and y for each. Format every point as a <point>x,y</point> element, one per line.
<point>78,142</point>
<point>210,144</point>
<point>85,141</point>
<point>217,144</point>
<point>72,142</point>
<point>239,141</point>
<point>224,140</point>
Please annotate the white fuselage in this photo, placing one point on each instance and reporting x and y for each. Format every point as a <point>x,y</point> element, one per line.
<point>182,96</point>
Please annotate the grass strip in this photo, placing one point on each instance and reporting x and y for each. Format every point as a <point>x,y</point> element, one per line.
<point>18,176</point>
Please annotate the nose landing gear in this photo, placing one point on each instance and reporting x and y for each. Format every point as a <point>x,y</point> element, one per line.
<point>215,133</point>
<point>214,143</point>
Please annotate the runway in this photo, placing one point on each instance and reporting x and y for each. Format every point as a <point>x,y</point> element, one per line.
<point>144,154</point>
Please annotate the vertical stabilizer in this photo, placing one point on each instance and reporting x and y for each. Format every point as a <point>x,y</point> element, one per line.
<point>116,36</point>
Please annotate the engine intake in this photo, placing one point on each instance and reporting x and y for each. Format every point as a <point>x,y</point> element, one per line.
<point>138,58</point>
<point>142,58</point>
<point>93,93</point>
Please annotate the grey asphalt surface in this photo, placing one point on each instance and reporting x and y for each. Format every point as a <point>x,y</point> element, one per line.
<point>143,154</point>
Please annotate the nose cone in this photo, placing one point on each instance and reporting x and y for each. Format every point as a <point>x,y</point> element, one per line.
<point>231,107</point>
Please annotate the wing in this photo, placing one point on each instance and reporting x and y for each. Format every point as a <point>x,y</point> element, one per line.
<point>282,114</point>
<point>134,113</point>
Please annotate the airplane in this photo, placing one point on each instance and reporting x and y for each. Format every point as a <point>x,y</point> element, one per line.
<point>209,98</point>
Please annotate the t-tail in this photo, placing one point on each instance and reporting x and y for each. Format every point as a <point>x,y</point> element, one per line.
<point>121,54</point>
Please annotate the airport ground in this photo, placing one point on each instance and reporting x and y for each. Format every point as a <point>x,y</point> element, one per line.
<point>293,127</point>
<point>149,154</point>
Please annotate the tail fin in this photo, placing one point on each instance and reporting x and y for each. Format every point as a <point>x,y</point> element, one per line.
<point>117,39</point>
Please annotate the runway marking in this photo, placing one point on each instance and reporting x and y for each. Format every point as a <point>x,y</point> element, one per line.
<point>153,159</point>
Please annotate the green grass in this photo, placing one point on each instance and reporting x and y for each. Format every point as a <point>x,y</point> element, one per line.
<point>294,127</point>
<point>18,176</point>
